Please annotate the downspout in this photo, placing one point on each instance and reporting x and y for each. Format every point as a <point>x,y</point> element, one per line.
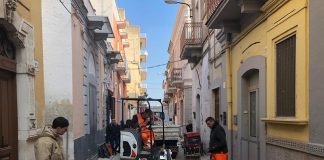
<point>229,91</point>
<point>67,145</point>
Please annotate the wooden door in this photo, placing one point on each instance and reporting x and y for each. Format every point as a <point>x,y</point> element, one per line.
<point>8,116</point>
<point>217,103</point>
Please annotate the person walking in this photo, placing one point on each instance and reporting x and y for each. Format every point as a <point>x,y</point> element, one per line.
<point>217,143</point>
<point>114,135</point>
<point>189,126</point>
<point>49,145</point>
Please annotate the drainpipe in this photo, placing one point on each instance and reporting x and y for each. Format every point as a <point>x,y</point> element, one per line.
<point>229,89</point>
<point>67,145</point>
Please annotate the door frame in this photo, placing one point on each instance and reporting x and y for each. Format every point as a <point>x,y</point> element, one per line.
<point>252,63</point>
<point>8,70</point>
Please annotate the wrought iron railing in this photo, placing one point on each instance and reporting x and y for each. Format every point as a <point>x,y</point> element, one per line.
<point>192,34</point>
<point>177,74</point>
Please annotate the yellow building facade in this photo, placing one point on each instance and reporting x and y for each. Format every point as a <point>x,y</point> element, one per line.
<point>268,78</point>
<point>135,55</point>
<point>22,73</point>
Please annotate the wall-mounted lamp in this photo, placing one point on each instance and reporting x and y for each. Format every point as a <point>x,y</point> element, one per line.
<point>177,2</point>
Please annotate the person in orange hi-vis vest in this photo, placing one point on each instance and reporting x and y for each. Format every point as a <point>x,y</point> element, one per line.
<point>141,120</point>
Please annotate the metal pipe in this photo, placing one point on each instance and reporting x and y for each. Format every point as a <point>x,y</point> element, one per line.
<point>67,145</point>
<point>150,126</point>
<point>138,106</point>
<point>163,117</point>
<point>190,9</point>
<point>123,114</point>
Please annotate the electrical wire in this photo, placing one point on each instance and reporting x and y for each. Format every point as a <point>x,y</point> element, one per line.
<point>155,66</point>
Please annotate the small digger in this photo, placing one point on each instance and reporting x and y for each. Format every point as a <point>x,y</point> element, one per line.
<point>131,142</point>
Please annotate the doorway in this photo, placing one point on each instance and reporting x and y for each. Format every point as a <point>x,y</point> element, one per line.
<point>8,100</point>
<point>198,113</point>
<point>250,116</point>
<point>93,108</point>
<point>216,103</point>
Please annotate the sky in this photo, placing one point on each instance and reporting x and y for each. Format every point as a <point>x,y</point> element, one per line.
<point>156,19</point>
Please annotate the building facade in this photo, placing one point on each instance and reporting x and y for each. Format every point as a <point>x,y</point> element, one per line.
<point>21,77</point>
<point>202,54</point>
<point>254,70</point>
<point>120,72</point>
<point>136,56</point>
<point>268,72</point>
<point>77,62</point>
<point>178,82</point>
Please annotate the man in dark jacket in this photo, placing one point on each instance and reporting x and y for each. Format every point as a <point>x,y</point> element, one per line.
<point>217,144</point>
<point>114,135</point>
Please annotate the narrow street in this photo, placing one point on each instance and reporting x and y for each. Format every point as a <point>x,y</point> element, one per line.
<point>180,156</point>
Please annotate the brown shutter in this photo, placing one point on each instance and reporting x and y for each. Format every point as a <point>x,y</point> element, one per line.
<point>286,77</point>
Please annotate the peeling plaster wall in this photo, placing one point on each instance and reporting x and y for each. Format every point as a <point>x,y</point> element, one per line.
<point>57,49</point>
<point>78,97</point>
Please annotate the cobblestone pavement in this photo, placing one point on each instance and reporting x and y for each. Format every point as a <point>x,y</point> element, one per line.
<point>179,157</point>
<point>116,157</point>
<point>182,157</point>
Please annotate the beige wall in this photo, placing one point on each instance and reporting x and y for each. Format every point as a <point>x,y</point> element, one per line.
<point>77,65</point>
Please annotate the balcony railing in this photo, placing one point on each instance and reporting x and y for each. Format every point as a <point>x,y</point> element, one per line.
<point>212,5</point>
<point>192,39</point>
<point>121,67</point>
<point>177,75</point>
<point>143,40</point>
<point>143,74</point>
<point>127,77</point>
<point>192,34</point>
<point>143,56</point>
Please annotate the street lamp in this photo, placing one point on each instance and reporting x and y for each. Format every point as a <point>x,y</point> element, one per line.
<point>177,2</point>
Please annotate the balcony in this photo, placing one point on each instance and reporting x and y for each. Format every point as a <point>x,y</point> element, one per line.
<point>144,55</point>
<point>143,40</point>
<point>113,57</point>
<point>226,14</point>
<point>121,67</point>
<point>123,34</point>
<point>101,27</point>
<point>143,88</point>
<point>143,74</point>
<point>177,77</point>
<point>191,41</point>
<point>121,24</point>
<point>125,43</point>
<point>171,89</point>
<point>127,77</point>
<point>166,98</point>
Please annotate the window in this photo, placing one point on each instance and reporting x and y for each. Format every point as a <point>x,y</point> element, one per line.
<point>286,73</point>
<point>253,111</point>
